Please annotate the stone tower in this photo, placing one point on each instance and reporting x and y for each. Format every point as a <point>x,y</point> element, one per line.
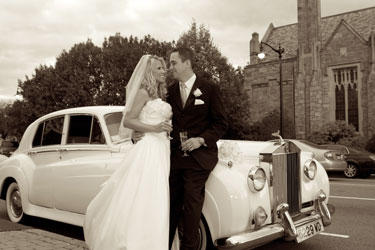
<point>309,73</point>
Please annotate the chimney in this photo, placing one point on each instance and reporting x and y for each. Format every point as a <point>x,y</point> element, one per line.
<point>254,48</point>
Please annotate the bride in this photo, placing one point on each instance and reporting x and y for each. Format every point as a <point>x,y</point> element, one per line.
<point>131,211</point>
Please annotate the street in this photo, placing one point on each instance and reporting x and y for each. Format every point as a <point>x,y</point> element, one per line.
<point>353,223</point>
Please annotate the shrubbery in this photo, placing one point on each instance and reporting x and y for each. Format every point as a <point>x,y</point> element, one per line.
<point>370,146</point>
<point>338,132</point>
<point>262,130</point>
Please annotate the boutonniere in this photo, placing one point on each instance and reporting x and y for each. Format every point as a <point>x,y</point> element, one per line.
<point>197,93</point>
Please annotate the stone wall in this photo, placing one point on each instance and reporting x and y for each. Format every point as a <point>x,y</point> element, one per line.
<point>262,86</point>
<point>344,49</point>
<point>371,88</point>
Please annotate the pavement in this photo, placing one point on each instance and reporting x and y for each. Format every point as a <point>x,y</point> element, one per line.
<point>36,239</point>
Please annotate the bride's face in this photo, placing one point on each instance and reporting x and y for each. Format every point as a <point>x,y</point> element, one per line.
<point>159,72</point>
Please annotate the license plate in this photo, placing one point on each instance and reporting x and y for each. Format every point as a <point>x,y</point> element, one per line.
<point>309,230</point>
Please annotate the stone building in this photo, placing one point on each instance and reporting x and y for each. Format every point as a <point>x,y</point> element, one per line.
<point>328,71</point>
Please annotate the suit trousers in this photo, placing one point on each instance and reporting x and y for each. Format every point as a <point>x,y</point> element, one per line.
<point>187,187</point>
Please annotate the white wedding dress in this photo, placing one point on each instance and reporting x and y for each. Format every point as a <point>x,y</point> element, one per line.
<point>131,211</point>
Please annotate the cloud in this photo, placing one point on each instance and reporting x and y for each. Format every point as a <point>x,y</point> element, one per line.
<point>36,32</point>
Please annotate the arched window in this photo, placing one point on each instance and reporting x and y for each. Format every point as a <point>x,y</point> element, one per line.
<point>346,95</point>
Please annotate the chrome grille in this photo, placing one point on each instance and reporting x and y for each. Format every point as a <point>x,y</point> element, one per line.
<point>286,181</point>
<point>293,183</point>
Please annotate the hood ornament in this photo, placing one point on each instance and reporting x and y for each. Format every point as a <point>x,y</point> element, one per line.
<point>277,134</point>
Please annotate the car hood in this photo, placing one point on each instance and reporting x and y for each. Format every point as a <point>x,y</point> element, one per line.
<point>3,158</point>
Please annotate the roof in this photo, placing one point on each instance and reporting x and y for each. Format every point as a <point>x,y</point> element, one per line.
<point>99,110</point>
<point>362,21</point>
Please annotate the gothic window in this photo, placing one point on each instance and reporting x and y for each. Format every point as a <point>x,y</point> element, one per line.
<point>346,95</point>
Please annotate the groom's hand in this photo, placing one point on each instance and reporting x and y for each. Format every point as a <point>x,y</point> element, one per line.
<point>192,143</point>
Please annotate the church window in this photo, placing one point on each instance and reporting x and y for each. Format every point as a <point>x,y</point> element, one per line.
<point>346,95</point>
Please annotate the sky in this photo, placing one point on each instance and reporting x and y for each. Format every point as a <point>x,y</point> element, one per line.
<point>35,32</point>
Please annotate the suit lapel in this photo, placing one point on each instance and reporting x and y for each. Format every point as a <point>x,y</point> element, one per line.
<point>177,95</point>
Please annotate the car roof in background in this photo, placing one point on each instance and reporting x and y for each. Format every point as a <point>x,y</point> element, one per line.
<point>348,148</point>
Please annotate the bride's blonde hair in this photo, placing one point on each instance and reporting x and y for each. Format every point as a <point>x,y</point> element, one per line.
<point>153,88</point>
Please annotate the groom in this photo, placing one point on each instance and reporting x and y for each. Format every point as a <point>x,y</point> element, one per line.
<point>198,109</point>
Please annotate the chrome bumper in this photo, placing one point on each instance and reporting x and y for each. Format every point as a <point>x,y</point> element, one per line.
<point>286,228</point>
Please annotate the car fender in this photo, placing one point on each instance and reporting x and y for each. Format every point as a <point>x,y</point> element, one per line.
<point>320,182</point>
<point>353,161</point>
<point>229,203</point>
<point>19,168</point>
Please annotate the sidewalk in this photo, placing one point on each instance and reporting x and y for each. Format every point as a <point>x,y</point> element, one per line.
<point>35,239</point>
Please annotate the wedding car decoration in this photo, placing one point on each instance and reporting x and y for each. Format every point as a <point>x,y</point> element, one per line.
<point>272,189</point>
<point>230,152</point>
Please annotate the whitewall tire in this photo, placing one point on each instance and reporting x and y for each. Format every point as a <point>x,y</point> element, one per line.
<point>14,203</point>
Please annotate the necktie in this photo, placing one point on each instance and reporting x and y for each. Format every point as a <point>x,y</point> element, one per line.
<point>183,91</point>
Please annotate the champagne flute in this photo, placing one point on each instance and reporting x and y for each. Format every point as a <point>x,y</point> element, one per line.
<point>183,138</point>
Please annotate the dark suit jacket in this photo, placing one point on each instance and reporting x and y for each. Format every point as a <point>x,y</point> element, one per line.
<point>206,120</point>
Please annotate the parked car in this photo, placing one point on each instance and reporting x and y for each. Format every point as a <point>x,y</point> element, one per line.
<point>332,160</point>
<point>258,192</point>
<point>360,162</point>
<point>8,147</point>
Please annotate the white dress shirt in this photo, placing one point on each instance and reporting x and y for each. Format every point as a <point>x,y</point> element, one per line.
<point>189,84</point>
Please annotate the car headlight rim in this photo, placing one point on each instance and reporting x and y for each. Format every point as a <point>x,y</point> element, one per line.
<point>256,179</point>
<point>310,169</point>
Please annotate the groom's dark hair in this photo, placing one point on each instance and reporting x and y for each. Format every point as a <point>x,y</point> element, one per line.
<point>186,54</point>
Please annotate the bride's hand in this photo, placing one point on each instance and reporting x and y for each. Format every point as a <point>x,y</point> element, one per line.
<point>163,127</point>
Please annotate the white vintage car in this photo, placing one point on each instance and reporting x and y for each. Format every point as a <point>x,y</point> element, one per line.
<point>258,192</point>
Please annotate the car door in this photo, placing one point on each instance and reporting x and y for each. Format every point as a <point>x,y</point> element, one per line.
<point>84,165</point>
<point>45,155</point>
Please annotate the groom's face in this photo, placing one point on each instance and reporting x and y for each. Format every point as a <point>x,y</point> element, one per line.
<point>177,66</point>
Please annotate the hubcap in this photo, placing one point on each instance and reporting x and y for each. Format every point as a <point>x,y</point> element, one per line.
<point>351,171</point>
<point>16,204</point>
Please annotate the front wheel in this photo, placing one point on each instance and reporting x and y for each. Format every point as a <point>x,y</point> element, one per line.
<point>351,170</point>
<point>14,203</point>
<point>204,235</point>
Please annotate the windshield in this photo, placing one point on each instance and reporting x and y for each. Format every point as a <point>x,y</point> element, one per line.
<point>112,121</point>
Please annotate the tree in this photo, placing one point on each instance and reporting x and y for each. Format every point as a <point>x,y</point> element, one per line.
<point>211,65</point>
<point>74,81</point>
<point>78,76</point>
<point>83,76</point>
<point>120,56</point>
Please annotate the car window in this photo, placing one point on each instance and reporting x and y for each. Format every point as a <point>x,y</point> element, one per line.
<point>113,121</point>
<point>337,147</point>
<point>85,129</point>
<point>37,141</point>
<point>49,132</point>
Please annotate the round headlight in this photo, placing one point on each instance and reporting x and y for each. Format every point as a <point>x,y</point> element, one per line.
<point>310,169</point>
<point>256,179</point>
